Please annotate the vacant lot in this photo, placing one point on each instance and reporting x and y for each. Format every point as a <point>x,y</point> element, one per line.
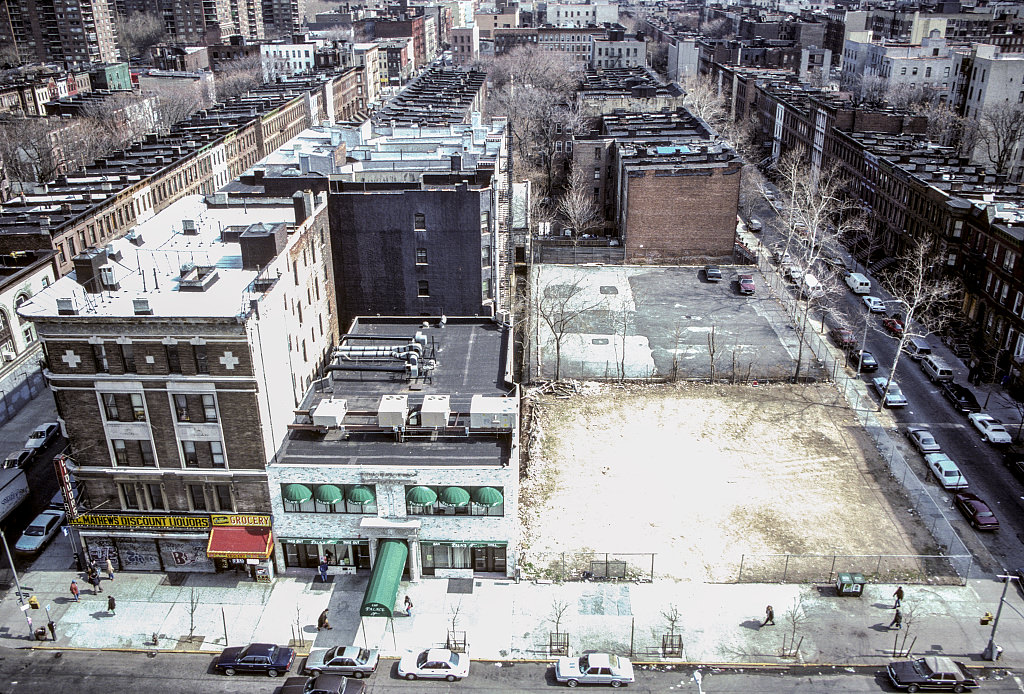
<point>703,475</point>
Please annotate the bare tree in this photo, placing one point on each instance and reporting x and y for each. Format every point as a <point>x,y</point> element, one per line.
<point>560,306</point>
<point>870,90</point>
<point>29,149</point>
<point>923,297</point>
<point>237,77</point>
<point>576,207</point>
<point>713,350</point>
<point>137,32</point>
<point>558,610</point>
<point>193,606</point>
<point>1001,128</point>
<point>176,101</point>
<point>705,100</point>
<point>794,618</point>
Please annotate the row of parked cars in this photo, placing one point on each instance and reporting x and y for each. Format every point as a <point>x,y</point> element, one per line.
<point>40,437</point>
<point>328,669</point>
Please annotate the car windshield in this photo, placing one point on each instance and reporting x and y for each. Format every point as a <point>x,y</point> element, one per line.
<point>986,514</point>
<point>454,660</point>
<point>38,435</point>
<point>35,530</point>
<point>421,659</point>
<point>329,655</point>
<point>950,473</point>
<point>364,655</point>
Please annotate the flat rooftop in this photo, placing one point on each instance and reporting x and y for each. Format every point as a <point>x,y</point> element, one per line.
<point>470,355</point>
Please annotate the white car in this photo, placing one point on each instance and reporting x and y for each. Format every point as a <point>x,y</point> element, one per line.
<point>946,471</point>
<point>874,304</point>
<point>795,273</point>
<point>434,663</point>
<point>39,532</point>
<point>923,440</point>
<point>594,668</point>
<point>992,430</point>
<point>894,398</point>
<point>42,435</point>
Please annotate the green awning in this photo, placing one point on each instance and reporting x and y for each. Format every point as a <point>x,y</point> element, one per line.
<point>454,496</point>
<point>487,496</point>
<point>297,493</point>
<point>382,590</point>
<point>360,495</point>
<point>328,494</point>
<point>421,496</point>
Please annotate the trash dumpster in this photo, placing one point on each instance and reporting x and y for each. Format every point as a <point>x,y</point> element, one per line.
<point>850,584</point>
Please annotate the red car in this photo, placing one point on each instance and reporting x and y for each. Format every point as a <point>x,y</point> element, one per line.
<point>843,338</point>
<point>976,511</point>
<point>746,284</point>
<point>893,325</point>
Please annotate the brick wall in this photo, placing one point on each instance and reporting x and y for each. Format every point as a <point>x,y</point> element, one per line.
<point>681,218</point>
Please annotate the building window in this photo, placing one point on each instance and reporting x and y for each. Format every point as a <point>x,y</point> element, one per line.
<point>217,454</point>
<point>110,407</point>
<point>196,497</point>
<point>421,256</point>
<point>597,173</point>
<point>138,407</point>
<point>181,408</point>
<point>209,408</point>
<point>173,359</point>
<point>222,497</point>
<point>155,496</point>
<point>420,222</point>
<point>422,288</point>
<point>129,499</point>
<point>146,453</point>
<point>202,366</point>
<point>346,498</point>
<point>99,355</point>
<point>188,452</point>
<point>120,452</point>
<point>128,358</point>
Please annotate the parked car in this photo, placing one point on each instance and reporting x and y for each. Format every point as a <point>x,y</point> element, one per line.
<point>755,225</point>
<point>946,471</point>
<point>594,668</point>
<point>932,672</point>
<point>893,325</point>
<point>712,273</point>
<point>39,532</point>
<point>781,256</point>
<point>863,360</point>
<point>434,663</point>
<point>992,430</point>
<point>351,661</point>
<point>961,397</point>
<point>874,304</point>
<point>923,440</point>
<point>18,459</point>
<point>323,684</point>
<point>41,436</point>
<point>843,338</point>
<point>746,284</point>
<point>976,511</point>
<point>256,657</point>
<point>893,397</point>
<point>1016,466</point>
<point>795,273</point>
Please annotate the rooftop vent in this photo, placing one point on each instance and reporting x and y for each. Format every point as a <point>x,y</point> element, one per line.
<point>142,307</point>
<point>108,279</point>
<point>189,227</point>
<point>66,307</point>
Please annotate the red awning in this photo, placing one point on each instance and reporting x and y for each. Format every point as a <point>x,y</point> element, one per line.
<point>239,543</point>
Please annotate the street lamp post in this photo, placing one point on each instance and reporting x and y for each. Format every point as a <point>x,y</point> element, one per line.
<point>17,584</point>
<point>992,651</point>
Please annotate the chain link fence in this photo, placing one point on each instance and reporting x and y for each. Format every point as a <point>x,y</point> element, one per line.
<point>588,566</point>
<point>876,568</point>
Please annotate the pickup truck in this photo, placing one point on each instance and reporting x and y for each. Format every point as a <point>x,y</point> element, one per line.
<point>931,673</point>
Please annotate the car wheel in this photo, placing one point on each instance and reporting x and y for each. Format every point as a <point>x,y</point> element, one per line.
<point>913,688</point>
<point>959,688</point>
<point>229,671</point>
<point>314,673</point>
<point>616,684</point>
<point>359,675</point>
<point>271,672</point>
<point>451,678</point>
<point>571,683</point>
<point>410,677</point>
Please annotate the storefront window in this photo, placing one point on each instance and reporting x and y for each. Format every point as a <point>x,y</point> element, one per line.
<point>329,498</point>
<point>483,501</point>
<point>482,557</point>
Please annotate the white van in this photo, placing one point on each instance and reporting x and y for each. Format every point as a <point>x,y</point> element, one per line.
<point>936,369</point>
<point>858,283</point>
<point>917,348</point>
<point>811,287</point>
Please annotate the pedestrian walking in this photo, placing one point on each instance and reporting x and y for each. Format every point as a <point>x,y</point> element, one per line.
<point>94,579</point>
<point>53,629</point>
<point>322,623</point>
<point>323,570</point>
<point>769,616</point>
<point>74,590</point>
<point>111,604</point>
<point>897,620</point>
<point>899,596</point>
<point>110,569</point>
<point>408,606</point>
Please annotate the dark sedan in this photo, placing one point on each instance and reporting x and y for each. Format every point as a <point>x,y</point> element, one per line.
<point>1014,460</point>
<point>712,273</point>
<point>864,360</point>
<point>963,399</point>
<point>976,511</point>
<point>256,657</point>
<point>931,673</point>
<point>322,684</point>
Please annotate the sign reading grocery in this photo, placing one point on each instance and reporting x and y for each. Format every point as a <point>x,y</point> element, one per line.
<point>156,522</point>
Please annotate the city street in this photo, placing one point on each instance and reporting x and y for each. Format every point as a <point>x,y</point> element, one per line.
<point>28,672</point>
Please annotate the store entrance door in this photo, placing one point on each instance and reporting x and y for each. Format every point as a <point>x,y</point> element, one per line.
<point>362,555</point>
<point>489,560</point>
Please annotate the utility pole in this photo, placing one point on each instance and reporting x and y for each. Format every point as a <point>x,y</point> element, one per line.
<point>992,651</point>
<point>17,584</point>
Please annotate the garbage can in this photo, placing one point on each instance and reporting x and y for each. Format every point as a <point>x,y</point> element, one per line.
<point>850,584</point>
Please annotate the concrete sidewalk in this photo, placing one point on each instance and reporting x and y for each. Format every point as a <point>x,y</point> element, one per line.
<point>719,623</point>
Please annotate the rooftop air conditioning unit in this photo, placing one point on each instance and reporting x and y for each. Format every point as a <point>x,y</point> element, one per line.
<point>107,277</point>
<point>66,307</point>
<point>189,228</point>
<point>142,307</point>
<point>9,356</point>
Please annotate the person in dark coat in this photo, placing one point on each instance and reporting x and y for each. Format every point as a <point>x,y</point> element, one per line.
<point>111,604</point>
<point>897,620</point>
<point>323,570</point>
<point>322,623</point>
<point>899,596</point>
<point>769,616</point>
<point>94,579</point>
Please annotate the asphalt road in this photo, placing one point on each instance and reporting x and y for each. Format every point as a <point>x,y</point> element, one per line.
<point>28,672</point>
<point>980,462</point>
<point>42,484</point>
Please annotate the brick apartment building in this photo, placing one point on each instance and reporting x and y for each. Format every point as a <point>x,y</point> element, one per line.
<point>175,357</point>
<point>72,32</point>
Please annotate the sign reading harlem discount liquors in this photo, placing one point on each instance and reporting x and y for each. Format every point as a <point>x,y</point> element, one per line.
<point>140,521</point>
